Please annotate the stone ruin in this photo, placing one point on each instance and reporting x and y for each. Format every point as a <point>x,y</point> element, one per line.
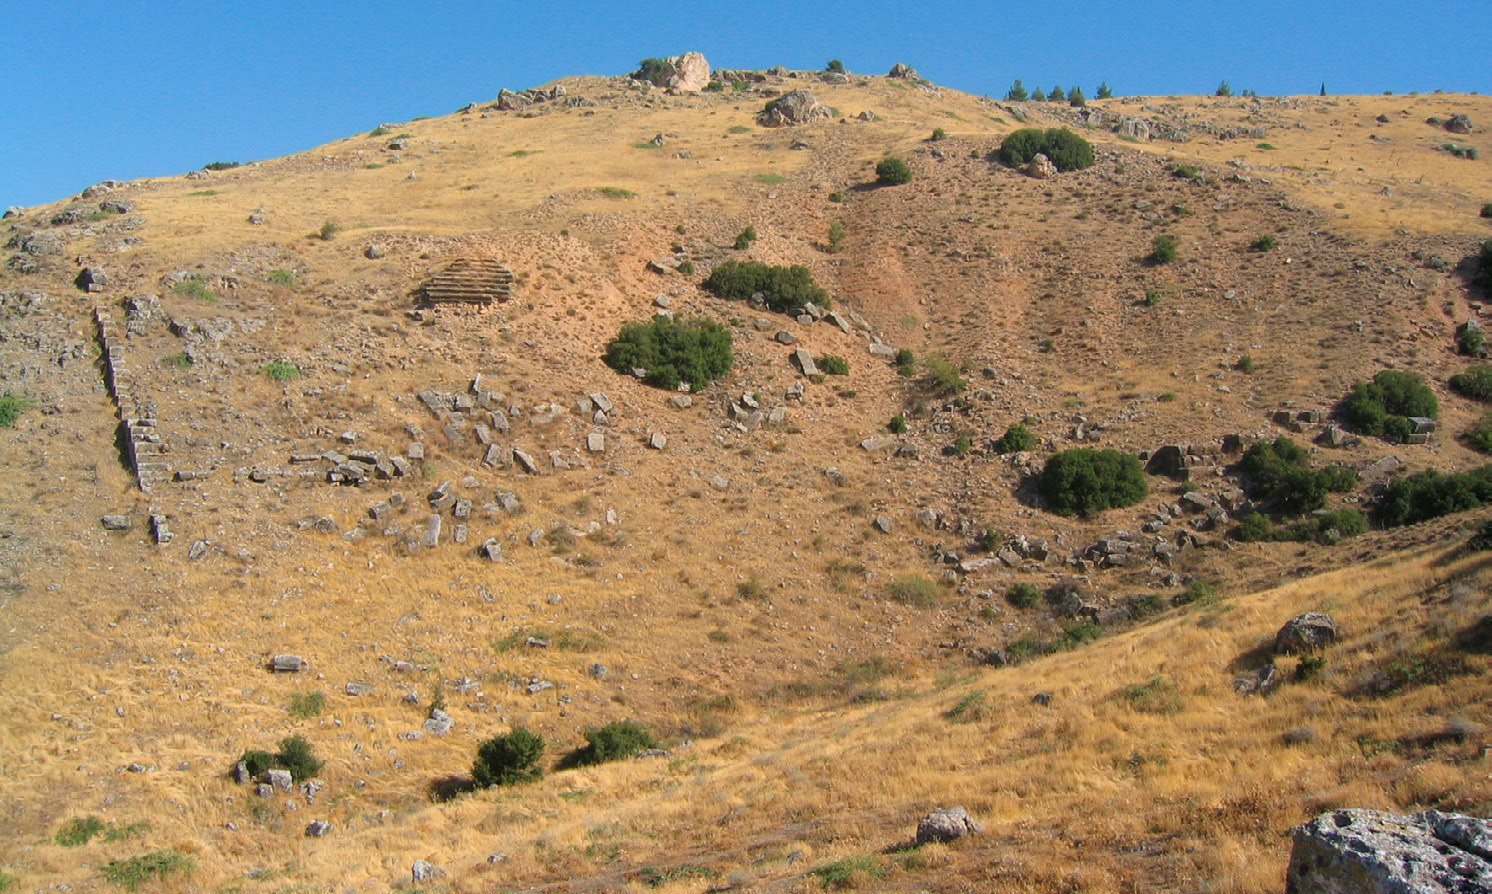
<point>480,281</point>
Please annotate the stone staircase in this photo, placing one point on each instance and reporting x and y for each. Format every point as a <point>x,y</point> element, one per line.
<point>140,439</point>
<point>469,281</point>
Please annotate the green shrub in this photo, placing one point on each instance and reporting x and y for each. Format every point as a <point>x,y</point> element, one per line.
<point>1479,436</point>
<point>328,231</point>
<point>783,288</point>
<point>197,289</point>
<point>1431,494</point>
<point>615,741</point>
<point>654,71</point>
<point>914,590</point>
<point>1391,393</point>
<point>256,761</point>
<point>961,446</point>
<point>135,871</point>
<point>282,371</point>
<point>12,406</point>
<point>1163,249</point>
<point>745,238</point>
<point>1023,595</point>
<point>220,166</point>
<point>283,278</point>
<point>616,192</point>
<point>1245,364</point>
<point>297,757</point>
<point>836,236</point>
<point>834,365</point>
<point>509,759</point>
<point>1157,696</point>
<point>1483,277</point>
<point>686,268</point>
<point>1085,481</point>
<point>897,425</point>
<point>673,351</point>
<point>836,197</point>
<point>946,379</point>
<point>1017,438</point>
<point>892,171</point>
<point>1185,172</point>
<point>305,705</point>
<point>1065,149</point>
<point>1397,429</point>
<point>7,881</point>
<point>1255,528</point>
<point>79,831</point>
<point>1056,94</point>
<point>835,65</point>
<point>1475,383</point>
<point>1224,90</point>
<point>904,357</point>
<point>938,134</point>
<point>850,872</point>
<point>1487,210</point>
<point>1264,243</point>
<point>1075,98</point>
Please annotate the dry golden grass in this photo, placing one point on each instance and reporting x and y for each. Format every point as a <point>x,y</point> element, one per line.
<point>743,622</point>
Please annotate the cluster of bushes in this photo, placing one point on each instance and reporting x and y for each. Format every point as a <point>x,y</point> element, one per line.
<point>514,757</point>
<point>1324,528</point>
<point>1065,149</point>
<point>1279,472</point>
<point>1382,406</point>
<point>782,288</point>
<point>295,755</point>
<point>945,378</point>
<point>693,351</point>
<point>1086,481</point>
<point>1431,494</point>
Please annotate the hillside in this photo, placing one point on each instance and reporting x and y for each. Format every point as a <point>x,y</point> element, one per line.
<point>806,608</point>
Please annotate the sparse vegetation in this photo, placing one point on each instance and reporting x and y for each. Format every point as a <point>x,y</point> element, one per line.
<point>80,830</point>
<point>851,872</point>
<point>945,377</point>
<point>770,179</point>
<point>1264,243</point>
<point>1245,364</point>
<point>509,759</point>
<point>1065,149</point>
<point>836,236</point>
<point>12,406</point>
<point>938,134</point>
<point>305,705</point>
<point>783,289</point>
<point>686,267</point>
<point>892,171</point>
<point>284,278</point>
<point>913,590</point>
<point>1157,695</point>
<point>673,351</point>
<point>220,166</point>
<point>616,192</point>
<point>133,872</point>
<point>195,287</point>
<point>1085,481</point>
<point>329,231</point>
<point>745,238</point>
<point>834,365</point>
<point>282,371</point>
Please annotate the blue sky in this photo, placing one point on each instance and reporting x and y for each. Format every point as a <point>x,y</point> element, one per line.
<point>99,89</point>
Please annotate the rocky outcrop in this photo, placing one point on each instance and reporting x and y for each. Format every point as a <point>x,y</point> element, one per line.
<point>1371,852</point>
<point>688,73</point>
<point>903,71</point>
<point>1309,632</point>
<point>790,109</point>
<point>946,824</point>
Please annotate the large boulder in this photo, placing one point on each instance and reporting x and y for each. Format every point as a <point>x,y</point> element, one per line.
<point>789,109</point>
<point>688,73</point>
<point>946,824</point>
<point>903,71</point>
<point>1371,852</point>
<point>1041,168</point>
<point>1309,632</point>
<point>1459,124</point>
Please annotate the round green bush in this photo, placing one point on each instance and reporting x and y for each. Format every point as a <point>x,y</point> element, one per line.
<point>782,288</point>
<point>509,759</point>
<point>1397,429</point>
<point>1255,528</point>
<point>1087,481</point>
<point>834,365</point>
<point>1479,436</point>
<point>1392,392</point>
<point>1163,250</point>
<point>1016,439</point>
<point>897,425</point>
<point>893,171</point>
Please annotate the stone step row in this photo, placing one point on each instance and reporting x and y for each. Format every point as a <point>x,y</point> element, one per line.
<point>142,441</point>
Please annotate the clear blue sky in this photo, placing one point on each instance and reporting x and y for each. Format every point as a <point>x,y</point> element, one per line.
<point>99,89</point>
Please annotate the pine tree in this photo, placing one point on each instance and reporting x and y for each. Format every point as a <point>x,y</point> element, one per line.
<point>1017,92</point>
<point>1057,94</point>
<point>1104,91</point>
